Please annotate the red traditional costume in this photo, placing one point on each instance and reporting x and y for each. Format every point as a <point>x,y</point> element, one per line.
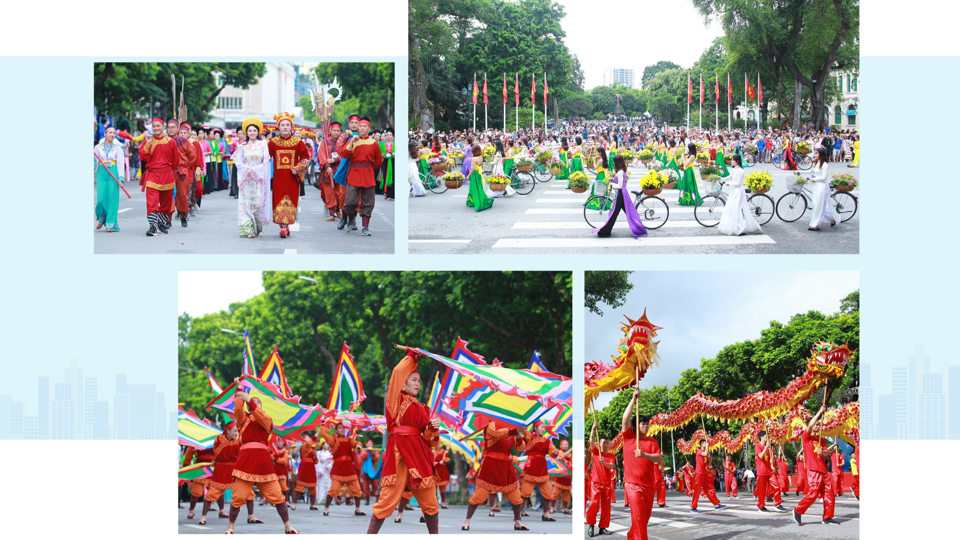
<point>365,160</point>
<point>703,481</point>
<point>730,477</point>
<point>307,472</point>
<point>369,485</point>
<point>280,459</point>
<point>196,189</point>
<point>639,481</point>
<point>254,465</point>
<point>290,161</point>
<point>688,476</point>
<point>784,476</point>
<point>184,175</point>
<point>344,471</point>
<point>225,457</point>
<point>801,475</point>
<point>161,158</point>
<point>837,473</point>
<point>765,478</point>
<point>601,487</point>
<point>197,486</point>
<point>333,193</point>
<point>535,470</point>
<point>563,484</point>
<point>819,481</point>
<point>661,486</point>
<point>442,473</point>
<point>407,459</point>
<point>497,474</point>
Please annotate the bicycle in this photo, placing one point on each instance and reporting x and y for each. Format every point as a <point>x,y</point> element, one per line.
<point>541,173</point>
<point>653,210</point>
<point>522,181</point>
<point>845,204</point>
<point>433,181</point>
<point>708,211</point>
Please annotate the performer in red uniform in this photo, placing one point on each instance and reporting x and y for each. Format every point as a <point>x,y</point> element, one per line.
<point>307,473</point>
<point>365,159</point>
<point>161,158</point>
<point>535,471</point>
<point>703,480</point>
<point>344,472</point>
<point>601,484</point>
<point>496,472</point>
<point>782,469</point>
<point>199,168</point>
<point>640,456</point>
<point>197,486</point>
<point>280,460</point>
<point>563,484</point>
<point>370,460</point>
<point>329,160</point>
<point>225,449</point>
<point>730,476</point>
<point>184,173</point>
<point>764,472</point>
<point>819,482</point>
<point>254,466</point>
<point>290,161</point>
<point>681,480</point>
<point>689,473</point>
<point>407,460</point>
<point>855,469</point>
<point>801,474</point>
<point>440,460</point>
<point>838,462</point>
<point>661,486</point>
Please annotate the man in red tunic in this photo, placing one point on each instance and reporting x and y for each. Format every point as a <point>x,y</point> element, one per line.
<point>344,472</point>
<point>730,476</point>
<point>564,483</point>
<point>197,486</point>
<point>661,486</point>
<point>225,449</point>
<point>783,472</point>
<point>640,457</point>
<point>254,466</point>
<point>704,480</point>
<point>161,158</point>
<point>280,459</point>
<point>407,459</point>
<point>365,159</point>
<point>307,473</point>
<point>819,482</point>
<point>497,474</point>
<point>440,460</point>
<point>801,474</point>
<point>329,160</point>
<point>184,173</point>
<point>688,475</point>
<point>535,471</point>
<point>199,168</point>
<point>601,484</point>
<point>290,161</point>
<point>764,474</point>
<point>837,457</point>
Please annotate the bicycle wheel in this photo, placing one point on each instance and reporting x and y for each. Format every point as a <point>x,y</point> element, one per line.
<point>598,216</point>
<point>791,206</point>
<point>542,173</point>
<point>749,160</point>
<point>436,184</point>
<point>845,205</point>
<point>653,211</point>
<point>523,182</point>
<point>761,207</point>
<point>708,212</point>
<point>805,162</point>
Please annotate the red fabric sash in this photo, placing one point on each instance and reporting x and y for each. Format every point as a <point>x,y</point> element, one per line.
<point>343,458</point>
<point>361,165</point>
<point>404,430</point>
<point>498,455</point>
<point>254,445</point>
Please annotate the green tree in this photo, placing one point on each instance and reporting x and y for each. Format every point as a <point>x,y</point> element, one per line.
<point>370,84</point>
<point>611,288</point>
<point>650,72</point>
<point>851,302</point>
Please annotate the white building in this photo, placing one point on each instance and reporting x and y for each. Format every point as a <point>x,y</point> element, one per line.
<point>621,76</point>
<point>843,111</point>
<point>274,93</point>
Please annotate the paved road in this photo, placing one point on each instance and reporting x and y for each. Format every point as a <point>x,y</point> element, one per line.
<point>550,220</point>
<point>342,521</point>
<point>739,519</point>
<point>214,230</point>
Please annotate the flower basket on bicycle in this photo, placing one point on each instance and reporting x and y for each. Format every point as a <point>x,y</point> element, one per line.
<point>498,182</point>
<point>803,147</point>
<point>670,178</point>
<point>652,183</point>
<point>795,184</point>
<point>544,156</point>
<point>578,182</point>
<point>759,182</point>
<point>843,181</point>
<point>453,180</point>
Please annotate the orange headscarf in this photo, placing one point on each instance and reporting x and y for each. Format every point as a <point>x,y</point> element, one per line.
<point>406,367</point>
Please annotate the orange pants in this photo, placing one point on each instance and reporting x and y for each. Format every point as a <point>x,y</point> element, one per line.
<point>283,483</point>
<point>335,485</point>
<point>640,499</point>
<point>311,489</point>
<point>214,493</point>
<point>243,491</point>
<point>334,194</point>
<point>390,495</point>
<point>481,495</point>
<point>546,489</point>
<point>196,489</point>
<point>369,486</point>
<point>565,495</point>
<point>703,481</point>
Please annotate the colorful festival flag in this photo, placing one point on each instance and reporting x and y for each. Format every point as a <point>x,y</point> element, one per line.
<point>729,91</point>
<point>516,89</point>
<point>484,88</point>
<point>476,90</point>
<point>273,372</point>
<point>191,431</point>
<point>701,88</point>
<point>249,364</point>
<point>555,467</point>
<point>504,88</point>
<point>480,399</point>
<point>213,382</point>
<point>716,89</point>
<point>466,448</point>
<point>533,91</point>
<point>195,471</point>
<point>289,416</point>
<point>453,383</point>
<point>347,390</point>
<point>759,89</point>
<point>689,90</point>
<point>546,90</point>
<point>535,363</point>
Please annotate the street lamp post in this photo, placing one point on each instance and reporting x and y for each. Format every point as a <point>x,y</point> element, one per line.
<point>227,330</point>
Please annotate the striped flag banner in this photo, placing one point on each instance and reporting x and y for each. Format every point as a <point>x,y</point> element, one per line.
<point>214,385</point>
<point>453,383</point>
<point>249,364</point>
<point>273,372</point>
<point>290,418</point>
<point>347,390</point>
<point>561,422</point>
<point>548,390</point>
<point>191,431</point>
<point>535,363</point>
<point>555,467</point>
<point>363,421</point>
<point>480,399</point>
<point>468,449</point>
<point>196,471</point>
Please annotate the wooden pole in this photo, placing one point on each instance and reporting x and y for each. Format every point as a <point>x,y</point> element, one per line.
<point>636,382</point>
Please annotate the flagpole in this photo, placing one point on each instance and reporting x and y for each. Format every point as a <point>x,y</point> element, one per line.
<point>701,103</point>
<point>504,104</point>
<point>759,123</point>
<point>516,104</point>
<point>544,101</point>
<point>729,99</point>
<point>484,102</point>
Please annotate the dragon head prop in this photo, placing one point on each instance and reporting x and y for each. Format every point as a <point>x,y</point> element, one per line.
<point>636,352</point>
<point>829,359</point>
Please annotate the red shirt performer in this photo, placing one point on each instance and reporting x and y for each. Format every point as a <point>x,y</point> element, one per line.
<point>819,482</point>
<point>535,471</point>
<point>704,480</point>
<point>601,484</point>
<point>307,472</point>
<point>730,476</point>
<point>161,158</point>
<point>497,474</point>
<point>764,474</point>
<point>344,472</point>
<point>365,159</point>
<point>290,160</point>
<point>640,457</point>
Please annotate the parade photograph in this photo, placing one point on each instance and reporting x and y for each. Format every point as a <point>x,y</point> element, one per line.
<point>244,158</point>
<point>531,132</point>
<point>740,421</point>
<point>368,402</point>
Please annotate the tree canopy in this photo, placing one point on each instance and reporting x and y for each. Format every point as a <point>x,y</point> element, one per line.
<point>503,315</point>
<point>610,288</point>
<point>769,363</point>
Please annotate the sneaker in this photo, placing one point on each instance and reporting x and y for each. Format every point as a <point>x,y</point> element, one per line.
<point>781,508</point>
<point>764,510</point>
<point>796,517</point>
<point>152,231</point>
<point>192,212</point>
<point>605,532</point>
<point>342,224</point>
<point>162,228</point>
<point>365,231</point>
<point>720,506</point>
<point>830,521</point>
<point>694,511</point>
<point>590,531</point>
<point>353,227</point>
<point>183,220</point>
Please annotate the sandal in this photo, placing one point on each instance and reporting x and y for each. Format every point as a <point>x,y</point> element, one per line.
<point>359,513</point>
<point>520,527</point>
<point>228,532</point>
<point>465,528</point>
<point>491,514</point>
<point>397,519</point>
<point>813,228</point>
<point>525,514</point>
<point>203,521</point>
<point>445,507</point>
<point>326,512</point>
<point>314,508</point>
<point>546,518</point>
<point>291,531</point>
<point>99,225</point>
<point>254,520</point>
<point>223,515</point>
<point>190,515</point>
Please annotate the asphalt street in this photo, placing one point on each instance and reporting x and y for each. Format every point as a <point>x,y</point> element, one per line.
<point>740,519</point>
<point>214,230</point>
<point>551,220</point>
<point>342,521</point>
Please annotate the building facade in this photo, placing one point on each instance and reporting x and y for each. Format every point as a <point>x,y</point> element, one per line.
<point>843,111</point>
<point>619,76</point>
<point>274,93</point>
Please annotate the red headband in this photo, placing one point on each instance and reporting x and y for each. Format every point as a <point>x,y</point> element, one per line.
<point>352,116</point>
<point>185,125</point>
<point>174,120</point>
<point>230,425</point>
<point>365,122</point>
<point>158,120</point>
